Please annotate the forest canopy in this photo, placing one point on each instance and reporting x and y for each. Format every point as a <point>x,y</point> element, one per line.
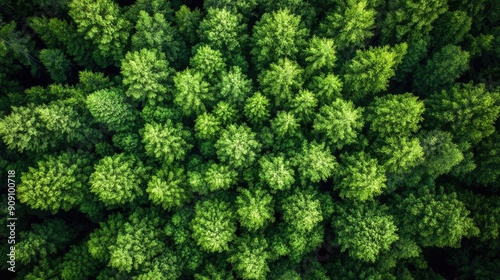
<point>250,139</point>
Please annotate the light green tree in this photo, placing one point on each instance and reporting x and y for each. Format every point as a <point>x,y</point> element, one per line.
<point>57,183</point>
<point>276,172</point>
<point>315,162</point>
<point>146,73</point>
<point>360,177</point>
<point>213,225</point>
<point>109,107</point>
<point>364,230</point>
<point>191,92</point>
<point>339,123</point>
<point>117,179</point>
<point>237,146</point>
<point>166,142</point>
<point>257,108</point>
<point>250,259</point>
<point>281,81</point>
<point>275,36</point>
<point>254,208</point>
<point>168,188</point>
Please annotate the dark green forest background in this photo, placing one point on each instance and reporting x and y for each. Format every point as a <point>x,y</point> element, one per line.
<point>252,139</point>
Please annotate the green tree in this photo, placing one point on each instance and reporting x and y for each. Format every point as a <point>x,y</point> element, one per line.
<point>39,128</point>
<point>451,28</point>
<point>255,208</point>
<point>57,64</point>
<point>109,107</point>
<point>234,87</point>
<point>276,172</point>
<point>320,55</point>
<point>222,30</point>
<point>168,188</point>
<point>250,257</point>
<point>410,16</point>
<point>440,71</point>
<point>188,21</point>
<point>145,72</point>
<point>437,220</point>
<point>166,142</point>
<point>302,211</point>
<point>207,126</point>
<point>304,106</point>
<point>42,241</point>
<point>209,63</point>
<point>315,162</point>
<point>395,115</point>
<point>219,177</point>
<point>398,155</point>
<point>364,230</point>
<point>467,111</point>
<point>327,88</point>
<point>226,113</point>
<point>281,81</point>
<point>103,24</point>
<point>368,73</point>
<point>154,32</point>
<point>213,225</point>
<point>237,146</point>
<point>339,123</point>
<point>360,177</point>
<point>57,183</point>
<point>118,179</point>
<point>78,263</point>
<point>350,25</point>
<point>285,124</point>
<point>257,108</point>
<point>275,36</point>
<point>191,92</point>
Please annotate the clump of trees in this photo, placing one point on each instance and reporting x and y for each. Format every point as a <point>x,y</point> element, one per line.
<point>252,139</point>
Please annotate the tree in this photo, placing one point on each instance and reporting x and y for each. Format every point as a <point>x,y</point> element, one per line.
<point>250,258</point>
<point>364,230</point>
<point>327,88</point>
<point>320,55</point>
<point>108,107</point>
<point>276,172</point>
<point>451,28</point>
<point>395,115</point>
<point>281,81</point>
<point>222,30</point>
<point>42,241</point>
<point>302,211</point>
<point>440,153</point>
<point>226,113</point>
<point>350,25</point>
<point>276,36</point>
<point>219,177</point>
<point>207,126</point>
<point>167,142</point>
<point>304,106</point>
<point>257,108</point>
<point>285,125</point>
<point>413,16</point>
<point>237,146</point>
<point>118,179</point>
<point>78,263</point>
<point>360,177</point>
<point>154,32</point>
<point>339,123</point>
<point>368,73</point>
<point>437,220</point>
<point>191,92</point>
<point>213,225</point>
<point>56,62</point>
<point>209,63</point>
<point>398,155</point>
<point>188,22</point>
<point>166,266</point>
<point>440,71</point>
<point>57,183</point>
<point>168,188</point>
<point>254,208</point>
<point>102,23</point>
<point>467,111</point>
<point>315,162</point>
<point>234,87</point>
<point>145,72</point>
<point>39,128</point>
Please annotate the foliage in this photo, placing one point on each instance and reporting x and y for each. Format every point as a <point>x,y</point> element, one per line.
<point>167,142</point>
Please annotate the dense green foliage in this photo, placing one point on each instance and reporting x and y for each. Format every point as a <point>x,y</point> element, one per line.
<point>225,139</point>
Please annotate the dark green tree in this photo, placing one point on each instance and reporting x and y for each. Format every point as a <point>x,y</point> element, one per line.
<point>56,63</point>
